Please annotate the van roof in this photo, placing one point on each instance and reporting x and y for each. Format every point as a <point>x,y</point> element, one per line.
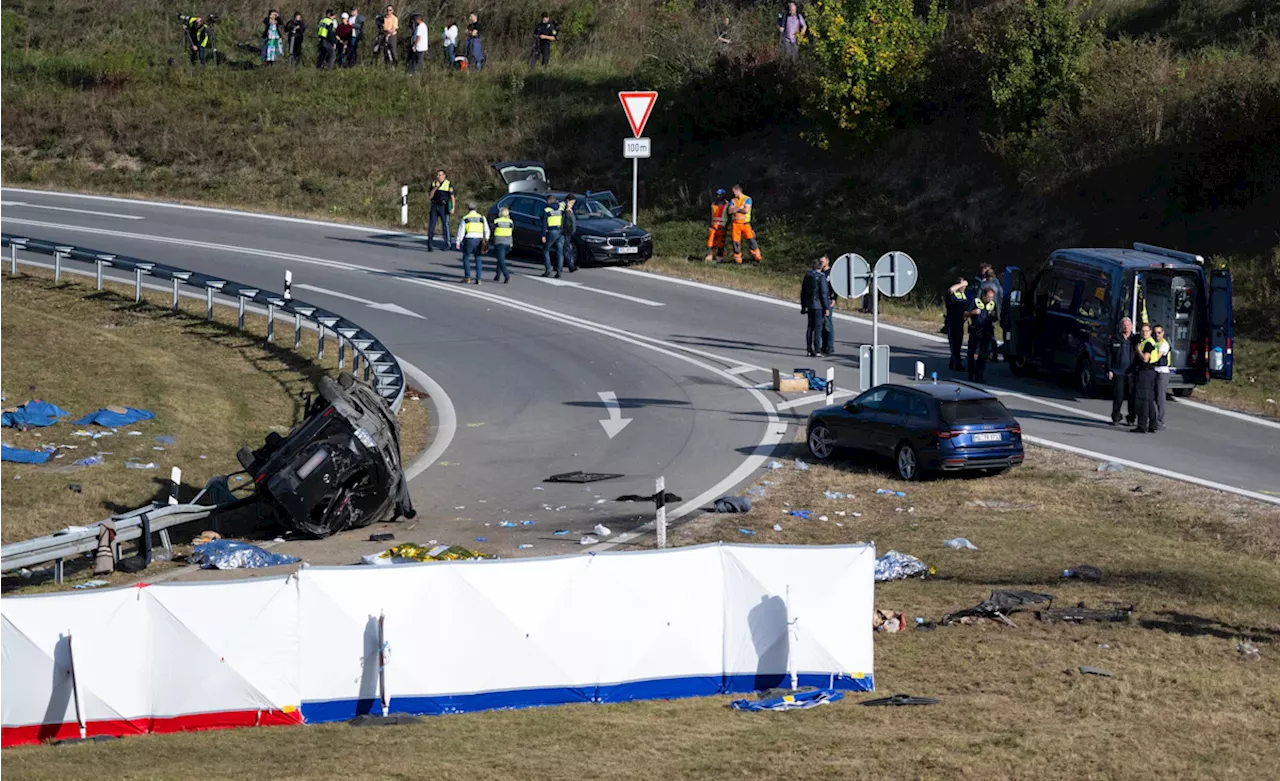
<point>1124,258</point>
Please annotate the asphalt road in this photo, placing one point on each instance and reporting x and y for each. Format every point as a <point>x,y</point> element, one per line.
<point>523,366</point>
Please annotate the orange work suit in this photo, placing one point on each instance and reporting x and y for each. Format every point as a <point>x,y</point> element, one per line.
<point>741,229</point>
<point>715,233</point>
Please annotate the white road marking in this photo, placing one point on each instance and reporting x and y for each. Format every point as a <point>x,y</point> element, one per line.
<point>1046,403</point>
<point>580,286</point>
<point>615,423</point>
<point>743,369</point>
<point>1155,470</point>
<point>816,398</point>
<point>64,209</point>
<point>1229,413</point>
<point>897,329</point>
<point>445,421</point>
<point>394,308</point>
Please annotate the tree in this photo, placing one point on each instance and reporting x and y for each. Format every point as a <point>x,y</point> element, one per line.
<point>1035,57</point>
<point>868,57</point>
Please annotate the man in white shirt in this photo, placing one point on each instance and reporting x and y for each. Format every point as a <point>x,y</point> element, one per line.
<point>419,48</point>
<point>450,41</point>
<point>473,233</point>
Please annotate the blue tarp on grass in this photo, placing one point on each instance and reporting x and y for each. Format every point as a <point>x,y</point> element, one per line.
<point>113,418</point>
<point>34,413</point>
<point>20,455</point>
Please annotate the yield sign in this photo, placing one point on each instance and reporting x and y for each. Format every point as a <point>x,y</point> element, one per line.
<point>638,106</point>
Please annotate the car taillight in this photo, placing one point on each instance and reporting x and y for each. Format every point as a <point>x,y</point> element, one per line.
<point>1016,430</point>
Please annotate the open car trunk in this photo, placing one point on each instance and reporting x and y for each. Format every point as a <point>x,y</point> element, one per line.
<point>523,176</point>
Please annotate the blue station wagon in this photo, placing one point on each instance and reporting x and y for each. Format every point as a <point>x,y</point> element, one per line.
<point>923,427</point>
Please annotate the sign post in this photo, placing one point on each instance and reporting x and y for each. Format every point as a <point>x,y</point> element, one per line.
<point>638,106</point>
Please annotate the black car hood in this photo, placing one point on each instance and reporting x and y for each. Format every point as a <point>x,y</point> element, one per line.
<point>607,226</point>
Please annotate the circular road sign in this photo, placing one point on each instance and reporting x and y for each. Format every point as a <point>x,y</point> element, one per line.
<point>849,275</point>
<point>895,274</point>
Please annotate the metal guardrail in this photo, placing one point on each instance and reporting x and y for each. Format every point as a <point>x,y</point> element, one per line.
<point>380,369</point>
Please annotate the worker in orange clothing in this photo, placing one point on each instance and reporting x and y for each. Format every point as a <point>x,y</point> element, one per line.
<point>740,218</point>
<point>715,233</point>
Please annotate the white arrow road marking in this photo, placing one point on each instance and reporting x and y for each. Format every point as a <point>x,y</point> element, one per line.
<point>580,286</point>
<point>65,209</point>
<point>615,423</point>
<point>395,308</point>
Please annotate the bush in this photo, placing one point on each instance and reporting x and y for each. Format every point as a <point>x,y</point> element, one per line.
<point>868,60</point>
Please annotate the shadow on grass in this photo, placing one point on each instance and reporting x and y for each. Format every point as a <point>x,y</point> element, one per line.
<point>1190,625</point>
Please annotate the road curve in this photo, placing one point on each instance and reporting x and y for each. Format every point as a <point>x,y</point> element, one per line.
<point>524,364</point>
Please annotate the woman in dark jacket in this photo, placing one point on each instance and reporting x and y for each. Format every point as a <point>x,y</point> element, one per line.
<point>272,38</point>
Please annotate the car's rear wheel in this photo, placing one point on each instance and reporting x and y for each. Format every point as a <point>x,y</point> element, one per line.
<point>1085,383</point>
<point>822,443</point>
<point>908,462</point>
<point>571,254</point>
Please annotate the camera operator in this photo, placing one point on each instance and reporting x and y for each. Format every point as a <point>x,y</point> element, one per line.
<point>294,30</point>
<point>198,39</point>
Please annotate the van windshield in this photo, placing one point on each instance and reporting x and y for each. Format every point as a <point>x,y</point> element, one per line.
<point>959,413</point>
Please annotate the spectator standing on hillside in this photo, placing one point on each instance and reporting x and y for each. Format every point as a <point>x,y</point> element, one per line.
<point>420,44</point>
<point>198,39</point>
<point>272,38</point>
<point>357,32</point>
<point>475,49</point>
<point>343,34</point>
<point>544,34</point>
<point>389,29</point>
<point>294,30</point>
<point>326,38</point>
<point>791,26</point>
<point>450,40</point>
<point>473,233</point>
<point>815,304</point>
<point>443,201</point>
<point>722,33</point>
<point>503,227</point>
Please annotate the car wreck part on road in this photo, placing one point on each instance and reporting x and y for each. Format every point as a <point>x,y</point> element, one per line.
<point>339,469</point>
<point>580,477</point>
<point>901,699</point>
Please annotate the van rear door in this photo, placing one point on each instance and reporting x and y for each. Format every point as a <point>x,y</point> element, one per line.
<point>1221,324</point>
<point>1013,313</point>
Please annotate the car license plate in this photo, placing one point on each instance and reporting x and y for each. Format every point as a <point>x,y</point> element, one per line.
<point>626,250</point>
<point>986,437</point>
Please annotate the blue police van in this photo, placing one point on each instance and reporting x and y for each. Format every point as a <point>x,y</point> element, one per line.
<point>1060,320</point>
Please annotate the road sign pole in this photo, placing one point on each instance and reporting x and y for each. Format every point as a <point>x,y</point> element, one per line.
<point>875,324</point>
<point>635,189</point>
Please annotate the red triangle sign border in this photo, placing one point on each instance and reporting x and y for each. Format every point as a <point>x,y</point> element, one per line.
<point>638,123</point>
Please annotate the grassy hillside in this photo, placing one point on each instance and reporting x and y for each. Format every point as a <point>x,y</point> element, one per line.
<point>1169,139</point>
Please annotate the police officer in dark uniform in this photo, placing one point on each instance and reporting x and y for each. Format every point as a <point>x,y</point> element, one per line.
<point>544,34</point>
<point>552,236</point>
<point>953,321</point>
<point>442,203</point>
<point>982,330</point>
<point>1121,364</point>
<point>1145,382</point>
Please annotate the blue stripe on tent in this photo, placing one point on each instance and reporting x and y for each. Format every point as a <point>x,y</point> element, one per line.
<point>653,689</point>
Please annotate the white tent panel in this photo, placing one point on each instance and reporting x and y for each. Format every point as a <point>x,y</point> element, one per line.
<point>37,690</point>
<point>659,623</point>
<point>252,625</point>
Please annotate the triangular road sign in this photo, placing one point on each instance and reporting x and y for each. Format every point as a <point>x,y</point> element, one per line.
<point>638,106</point>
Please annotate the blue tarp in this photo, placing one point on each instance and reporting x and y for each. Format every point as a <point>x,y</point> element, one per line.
<point>810,699</point>
<point>814,382</point>
<point>34,413</point>
<point>229,554</point>
<point>113,419</point>
<point>23,456</point>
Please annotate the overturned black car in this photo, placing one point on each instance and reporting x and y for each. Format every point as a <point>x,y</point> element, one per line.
<point>338,469</point>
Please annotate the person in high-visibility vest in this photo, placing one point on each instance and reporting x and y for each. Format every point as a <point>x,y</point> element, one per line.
<point>442,202</point>
<point>197,39</point>
<point>982,330</point>
<point>503,226</point>
<point>740,218</point>
<point>1145,382</point>
<point>715,233</point>
<point>326,34</point>
<point>1164,361</point>
<point>953,321</point>
<point>552,236</point>
<point>473,230</point>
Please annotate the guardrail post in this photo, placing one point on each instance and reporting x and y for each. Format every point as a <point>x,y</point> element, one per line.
<point>58,252</point>
<point>297,330</point>
<point>324,322</point>
<point>342,353</point>
<point>209,287</point>
<point>271,318</point>
<point>660,505</point>
<point>14,246</point>
<point>179,278</point>
<point>242,294</point>
<point>98,263</point>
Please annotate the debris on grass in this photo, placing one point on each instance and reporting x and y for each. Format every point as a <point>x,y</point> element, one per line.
<point>507,524</point>
<point>890,492</point>
<point>229,554</point>
<point>837,495</point>
<point>998,606</point>
<point>960,543</point>
<point>797,701</point>
<point>897,566</point>
<point>803,515</point>
<point>1087,670</point>
<point>996,504</point>
<point>588,540</point>
<point>1083,572</point>
<point>560,533</point>
<point>1080,614</point>
<point>747,532</point>
<point>140,465</point>
<point>525,546</point>
<point>777,527</point>
<point>91,461</point>
<point>1248,651</point>
<point>732,504</point>
<point>164,439</point>
<point>900,699</point>
<point>1110,466</point>
<point>602,531</point>
<point>801,466</point>
<point>89,584</point>
<point>773,465</point>
<point>889,621</point>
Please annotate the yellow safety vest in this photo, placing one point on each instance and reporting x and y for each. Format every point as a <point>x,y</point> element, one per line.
<point>555,216</point>
<point>473,225</point>
<point>326,26</point>
<point>744,203</point>
<point>1145,346</point>
<point>1163,360</point>
<point>502,227</point>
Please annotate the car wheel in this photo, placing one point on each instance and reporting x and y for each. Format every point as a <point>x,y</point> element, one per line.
<point>908,462</point>
<point>1085,383</point>
<point>822,443</point>
<point>1182,393</point>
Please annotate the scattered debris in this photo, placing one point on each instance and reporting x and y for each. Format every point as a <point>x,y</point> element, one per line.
<point>837,495</point>
<point>887,621</point>
<point>140,465</point>
<point>525,546</point>
<point>561,532</point>
<point>773,465</point>
<point>758,491</point>
<point>1080,613</point>
<point>667,498</point>
<point>89,584</point>
<point>229,554</point>
<point>92,461</point>
<point>823,518</point>
<point>901,699</point>
<point>1087,670</point>
<point>732,504</point>
<point>897,566</point>
<point>998,606</point>
<point>115,416</point>
<point>588,540</point>
<point>602,531</point>
<point>411,552</point>
<point>75,488</point>
<point>959,543</point>
<point>1110,466</point>
<point>798,701</point>
<point>777,527</point>
<point>1249,651</point>
<point>508,524</point>
<point>165,439</point>
<point>482,539</point>
<point>747,532</point>
<point>996,504</point>
<point>581,477</point>
<point>1137,489</point>
<point>383,537</point>
<point>801,466</point>
<point>889,492</point>
<point>803,515</point>
<point>1083,572</point>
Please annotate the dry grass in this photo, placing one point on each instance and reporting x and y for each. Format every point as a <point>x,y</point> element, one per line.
<point>1201,568</point>
<point>211,388</point>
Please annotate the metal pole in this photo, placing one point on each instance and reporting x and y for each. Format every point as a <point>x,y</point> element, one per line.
<point>137,285</point>
<point>382,666</point>
<point>57,267</point>
<point>342,352</point>
<point>831,383</point>
<point>13,260</point>
<point>240,319</point>
<point>404,204</point>
<point>288,285</point>
<point>271,321</point>
<point>660,502</point>
<point>98,276</point>
<point>875,325</point>
<point>355,361</point>
<point>791,640</point>
<point>635,189</point>
<point>297,330</point>
<point>320,343</point>
<point>208,304</point>
<point>174,304</point>
<point>75,687</point>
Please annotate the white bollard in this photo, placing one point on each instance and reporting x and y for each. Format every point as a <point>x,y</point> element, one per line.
<point>404,204</point>
<point>831,384</point>
<point>288,285</point>
<point>660,502</point>
<point>919,370</point>
<point>175,480</point>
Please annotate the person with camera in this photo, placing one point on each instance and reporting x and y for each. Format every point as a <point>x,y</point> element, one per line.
<point>327,34</point>
<point>294,30</point>
<point>389,28</point>
<point>198,39</point>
